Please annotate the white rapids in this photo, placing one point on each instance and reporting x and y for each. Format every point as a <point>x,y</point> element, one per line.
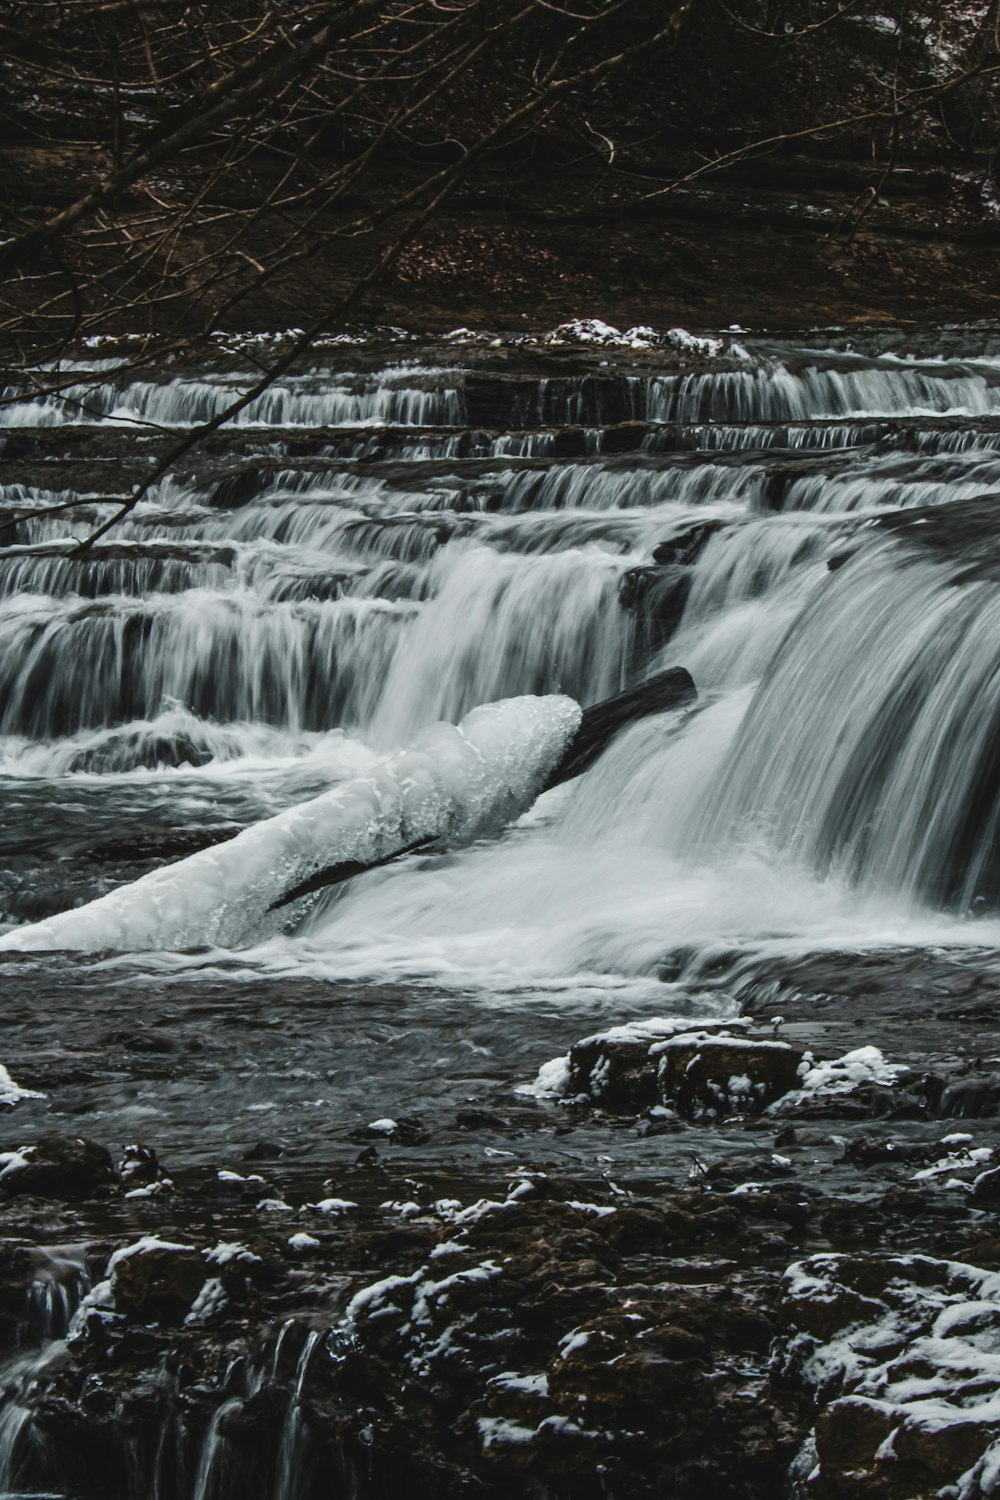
<point>390,544</point>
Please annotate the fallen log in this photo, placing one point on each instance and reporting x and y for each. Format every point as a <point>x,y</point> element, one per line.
<point>346,870</point>
<point>452,785</point>
<point>668,690</point>
<point>599,724</point>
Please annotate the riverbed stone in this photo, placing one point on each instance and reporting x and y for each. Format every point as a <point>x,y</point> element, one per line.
<point>155,1279</point>
<point>710,1074</point>
<point>57,1166</point>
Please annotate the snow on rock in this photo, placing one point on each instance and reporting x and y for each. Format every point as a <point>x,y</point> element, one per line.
<point>210,1300</point>
<point>301,1242</point>
<point>156,1278</point>
<point>231,1253</point>
<point>703,1066</point>
<point>11,1092</point>
<point>497,1432</point>
<point>839,1076</point>
<point>552,1081</point>
<point>12,1162</point>
<point>863,1065</point>
<point>151,1189</point>
<point>690,343</point>
<point>453,783</point>
<point>902,1355</point>
<point>596,331</point>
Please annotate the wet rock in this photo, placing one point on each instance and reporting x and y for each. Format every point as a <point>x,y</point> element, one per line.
<point>657,596</point>
<point>971,1099</point>
<point>708,1074</point>
<point>625,437</point>
<point>156,1279</point>
<point>867,1150</point>
<point>237,488</point>
<point>686,548</point>
<point>58,1166</point>
<point>897,1352</point>
<point>986,1187</point>
<point>480,1119</point>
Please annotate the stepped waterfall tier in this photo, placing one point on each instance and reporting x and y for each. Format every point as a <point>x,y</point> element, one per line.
<point>618,1126</point>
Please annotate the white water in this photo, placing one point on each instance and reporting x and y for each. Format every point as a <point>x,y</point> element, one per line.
<point>833,786</point>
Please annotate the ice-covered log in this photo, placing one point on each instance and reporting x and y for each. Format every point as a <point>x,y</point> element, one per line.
<point>597,728</point>
<point>452,784</point>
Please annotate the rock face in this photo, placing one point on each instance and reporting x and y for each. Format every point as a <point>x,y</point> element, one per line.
<point>593,1347</point>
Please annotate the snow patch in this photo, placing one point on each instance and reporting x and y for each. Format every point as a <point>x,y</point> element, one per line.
<point>11,1092</point>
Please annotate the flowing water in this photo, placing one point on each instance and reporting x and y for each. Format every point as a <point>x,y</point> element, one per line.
<point>395,535</point>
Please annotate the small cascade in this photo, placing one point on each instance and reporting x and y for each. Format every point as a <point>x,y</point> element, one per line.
<point>61,1280</point>
<point>406,396</point>
<point>292,1459</point>
<point>213,1479</point>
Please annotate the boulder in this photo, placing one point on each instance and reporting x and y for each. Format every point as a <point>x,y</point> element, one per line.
<point>695,1068</point>
<point>58,1166</point>
<point>155,1279</point>
<point>706,1073</point>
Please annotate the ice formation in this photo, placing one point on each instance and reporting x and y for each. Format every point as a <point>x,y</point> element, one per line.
<point>453,783</point>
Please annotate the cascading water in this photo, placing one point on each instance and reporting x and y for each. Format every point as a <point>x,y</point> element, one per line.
<point>60,1282</point>
<point>227,633</point>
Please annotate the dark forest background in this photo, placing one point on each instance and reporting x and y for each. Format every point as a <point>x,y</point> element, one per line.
<point>177,168</point>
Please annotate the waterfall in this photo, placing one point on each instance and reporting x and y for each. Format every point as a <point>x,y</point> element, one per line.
<point>887,688</point>
<point>381,544</point>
